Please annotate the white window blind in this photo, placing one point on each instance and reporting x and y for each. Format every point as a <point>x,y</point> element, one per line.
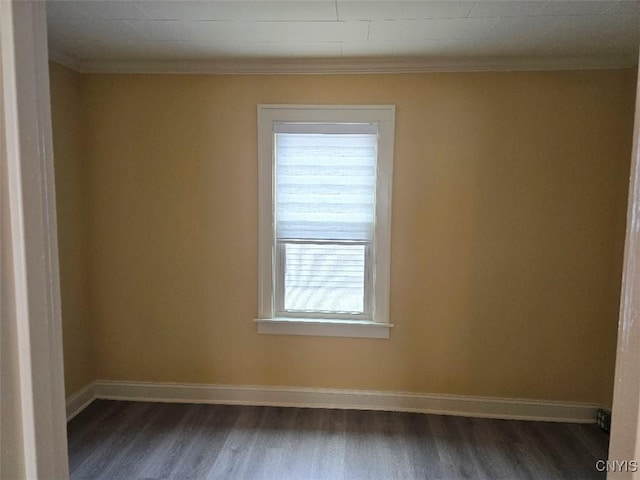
<point>325,182</point>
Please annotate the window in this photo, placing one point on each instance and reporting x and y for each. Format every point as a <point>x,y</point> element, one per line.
<point>325,212</point>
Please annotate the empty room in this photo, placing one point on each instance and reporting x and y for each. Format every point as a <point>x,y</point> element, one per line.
<point>320,239</point>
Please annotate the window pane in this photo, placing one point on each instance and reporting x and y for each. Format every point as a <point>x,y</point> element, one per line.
<point>324,278</point>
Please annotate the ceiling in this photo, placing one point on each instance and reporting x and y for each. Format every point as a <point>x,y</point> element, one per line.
<point>148,35</point>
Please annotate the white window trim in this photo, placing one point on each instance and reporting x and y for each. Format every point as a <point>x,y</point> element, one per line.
<point>267,321</point>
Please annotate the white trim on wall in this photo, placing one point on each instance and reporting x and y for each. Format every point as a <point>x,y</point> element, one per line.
<point>345,65</point>
<point>467,406</point>
<point>625,426</point>
<point>80,400</point>
<point>28,153</point>
<point>323,327</point>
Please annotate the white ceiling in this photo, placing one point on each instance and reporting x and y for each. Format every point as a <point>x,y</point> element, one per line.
<point>99,35</point>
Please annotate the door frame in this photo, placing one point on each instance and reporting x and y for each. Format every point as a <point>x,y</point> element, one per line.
<point>625,426</point>
<point>33,273</point>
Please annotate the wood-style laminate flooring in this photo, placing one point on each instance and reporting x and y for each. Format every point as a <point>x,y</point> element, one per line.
<point>139,440</point>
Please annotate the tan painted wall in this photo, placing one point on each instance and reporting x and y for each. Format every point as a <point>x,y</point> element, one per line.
<point>508,221</point>
<point>73,224</point>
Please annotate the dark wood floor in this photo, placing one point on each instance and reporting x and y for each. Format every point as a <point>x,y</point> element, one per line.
<point>137,440</point>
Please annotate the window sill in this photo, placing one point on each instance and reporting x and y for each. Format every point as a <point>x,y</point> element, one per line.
<point>323,327</point>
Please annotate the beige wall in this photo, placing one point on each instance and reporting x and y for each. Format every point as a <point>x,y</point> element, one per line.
<point>73,224</point>
<point>508,221</point>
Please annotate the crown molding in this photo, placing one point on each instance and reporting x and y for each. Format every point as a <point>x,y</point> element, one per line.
<point>64,59</point>
<point>344,65</point>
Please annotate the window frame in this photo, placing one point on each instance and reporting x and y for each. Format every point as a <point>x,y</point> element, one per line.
<point>270,320</point>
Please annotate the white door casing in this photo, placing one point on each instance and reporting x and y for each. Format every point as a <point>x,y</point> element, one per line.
<point>625,428</point>
<point>31,282</point>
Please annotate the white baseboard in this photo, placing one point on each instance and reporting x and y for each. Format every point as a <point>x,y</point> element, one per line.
<point>80,400</point>
<point>486,407</point>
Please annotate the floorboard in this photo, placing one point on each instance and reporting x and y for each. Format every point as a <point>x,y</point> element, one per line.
<point>113,440</point>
